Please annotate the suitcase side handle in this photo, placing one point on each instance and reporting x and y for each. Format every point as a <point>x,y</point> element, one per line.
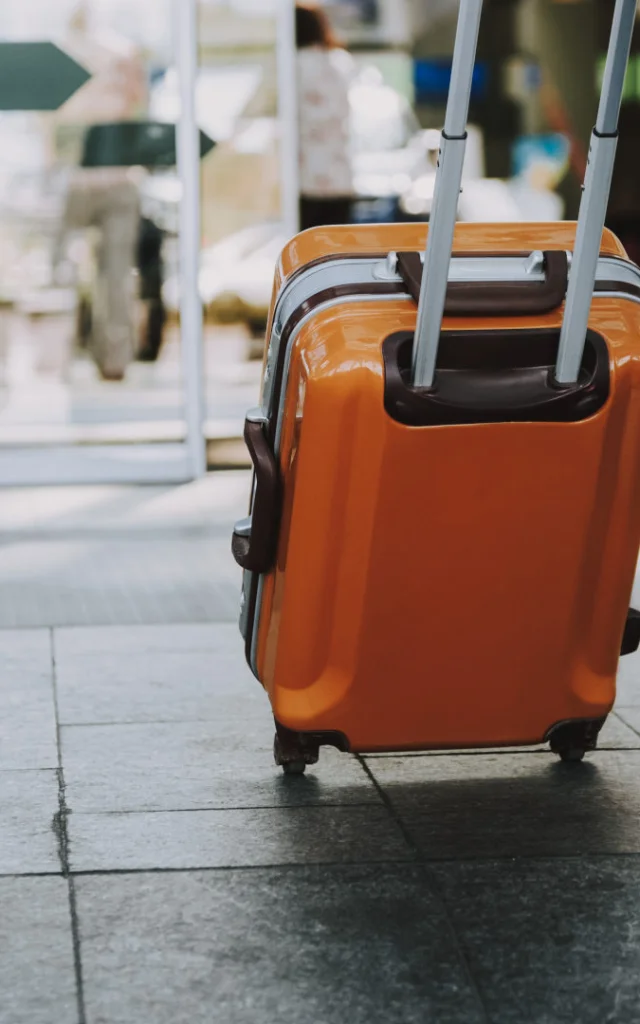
<point>254,539</point>
<point>500,298</point>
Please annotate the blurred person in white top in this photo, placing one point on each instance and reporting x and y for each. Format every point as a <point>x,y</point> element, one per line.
<point>325,72</point>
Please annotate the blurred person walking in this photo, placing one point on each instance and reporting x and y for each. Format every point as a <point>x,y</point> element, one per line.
<point>105,198</point>
<point>325,71</point>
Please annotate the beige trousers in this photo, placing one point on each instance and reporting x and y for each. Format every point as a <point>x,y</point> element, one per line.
<point>109,201</point>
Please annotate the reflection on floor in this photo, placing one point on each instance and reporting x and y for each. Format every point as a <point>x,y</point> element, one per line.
<point>50,394</point>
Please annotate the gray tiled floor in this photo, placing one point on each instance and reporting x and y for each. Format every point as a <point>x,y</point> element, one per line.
<point>206,682</point>
<point>367,945</point>
<point>99,556</point>
<point>37,980</point>
<point>550,941</point>
<point>28,806</point>
<point>27,718</point>
<point>196,766</point>
<point>182,877</point>
<point>235,838</point>
<point>516,805</point>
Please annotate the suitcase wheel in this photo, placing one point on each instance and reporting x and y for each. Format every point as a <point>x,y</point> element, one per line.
<point>571,753</point>
<point>571,740</point>
<point>292,756</point>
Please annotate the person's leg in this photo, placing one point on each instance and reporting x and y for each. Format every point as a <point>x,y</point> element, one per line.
<point>150,265</point>
<point>114,340</point>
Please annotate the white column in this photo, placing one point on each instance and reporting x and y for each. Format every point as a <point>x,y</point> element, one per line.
<point>188,150</point>
<point>288,115</point>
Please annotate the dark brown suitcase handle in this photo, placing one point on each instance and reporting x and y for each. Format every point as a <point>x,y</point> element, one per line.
<point>255,550</point>
<point>506,298</point>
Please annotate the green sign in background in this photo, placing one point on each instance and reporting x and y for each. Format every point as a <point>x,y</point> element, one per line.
<point>131,143</point>
<point>37,76</point>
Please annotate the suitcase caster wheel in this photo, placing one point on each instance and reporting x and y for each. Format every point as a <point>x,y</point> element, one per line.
<point>571,754</point>
<point>291,755</point>
<point>571,740</point>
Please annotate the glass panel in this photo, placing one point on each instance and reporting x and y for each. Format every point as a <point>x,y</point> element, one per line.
<point>242,232</point>
<point>89,199</point>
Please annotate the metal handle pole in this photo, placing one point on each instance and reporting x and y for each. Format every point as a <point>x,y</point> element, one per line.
<point>446,194</point>
<point>595,196</point>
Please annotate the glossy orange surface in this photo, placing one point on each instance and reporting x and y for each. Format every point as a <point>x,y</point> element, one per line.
<point>382,238</point>
<point>454,585</point>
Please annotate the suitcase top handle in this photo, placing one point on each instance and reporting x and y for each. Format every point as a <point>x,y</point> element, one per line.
<point>495,298</point>
<point>433,292</point>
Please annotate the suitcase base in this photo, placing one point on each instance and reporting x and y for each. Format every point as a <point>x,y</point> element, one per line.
<point>570,740</point>
<point>293,751</point>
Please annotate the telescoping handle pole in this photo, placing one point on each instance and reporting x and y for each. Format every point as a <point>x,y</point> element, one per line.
<point>446,195</point>
<point>595,196</point>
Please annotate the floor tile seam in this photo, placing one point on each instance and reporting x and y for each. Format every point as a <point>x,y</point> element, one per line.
<point>32,874</point>
<point>367,757</point>
<point>302,865</point>
<point>60,826</point>
<point>165,721</point>
<point>434,887</point>
<point>22,629</point>
<point>100,623</point>
<point>535,858</point>
<point>140,652</point>
<point>226,868</point>
<point>143,532</point>
<point>525,858</point>
<point>344,806</point>
<point>498,753</point>
<point>377,805</point>
<point>628,724</point>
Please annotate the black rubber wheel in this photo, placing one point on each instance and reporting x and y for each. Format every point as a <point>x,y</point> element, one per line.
<point>572,740</point>
<point>572,754</point>
<point>277,751</point>
<point>291,757</point>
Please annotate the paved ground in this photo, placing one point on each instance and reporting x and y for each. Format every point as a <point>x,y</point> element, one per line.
<point>154,866</point>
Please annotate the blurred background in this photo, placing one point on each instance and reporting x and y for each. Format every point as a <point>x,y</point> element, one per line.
<point>97,382</point>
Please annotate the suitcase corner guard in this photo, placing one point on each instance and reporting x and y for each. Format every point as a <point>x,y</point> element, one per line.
<point>254,539</point>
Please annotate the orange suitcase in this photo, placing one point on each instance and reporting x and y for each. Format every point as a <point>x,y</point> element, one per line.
<point>445,525</point>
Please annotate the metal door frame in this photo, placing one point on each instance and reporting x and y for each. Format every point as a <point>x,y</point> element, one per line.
<point>174,462</point>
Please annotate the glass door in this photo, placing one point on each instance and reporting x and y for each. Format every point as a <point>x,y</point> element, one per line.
<point>100,316</point>
<point>246,100</point>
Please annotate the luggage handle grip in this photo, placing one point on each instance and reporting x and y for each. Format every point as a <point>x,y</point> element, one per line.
<point>253,542</point>
<point>499,298</point>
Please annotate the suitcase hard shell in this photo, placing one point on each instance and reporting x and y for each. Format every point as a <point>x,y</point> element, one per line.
<point>441,586</point>
<point>449,567</point>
